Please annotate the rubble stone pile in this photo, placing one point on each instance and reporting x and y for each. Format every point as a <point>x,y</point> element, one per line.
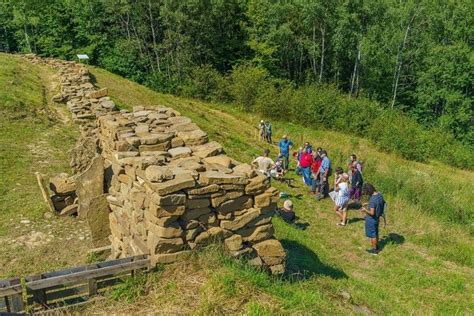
<point>168,188</point>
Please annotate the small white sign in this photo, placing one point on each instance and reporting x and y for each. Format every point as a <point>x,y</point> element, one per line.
<point>82,56</point>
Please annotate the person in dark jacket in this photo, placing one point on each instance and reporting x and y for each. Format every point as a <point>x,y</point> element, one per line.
<point>356,184</point>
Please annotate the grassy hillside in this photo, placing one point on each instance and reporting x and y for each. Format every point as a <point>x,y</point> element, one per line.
<point>426,265</point>
<point>33,137</point>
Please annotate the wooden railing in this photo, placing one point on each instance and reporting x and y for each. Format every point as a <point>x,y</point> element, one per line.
<point>66,287</point>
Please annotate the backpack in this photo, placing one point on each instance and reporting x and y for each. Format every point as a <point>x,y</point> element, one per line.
<point>382,213</point>
<point>330,171</point>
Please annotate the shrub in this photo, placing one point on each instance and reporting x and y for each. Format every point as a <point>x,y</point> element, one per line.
<point>246,83</point>
<point>206,83</point>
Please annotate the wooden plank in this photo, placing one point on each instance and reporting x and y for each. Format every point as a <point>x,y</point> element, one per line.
<point>86,275</point>
<point>45,192</point>
<point>77,290</point>
<point>11,290</point>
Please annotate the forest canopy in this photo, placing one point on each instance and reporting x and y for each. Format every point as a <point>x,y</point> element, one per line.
<point>410,59</point>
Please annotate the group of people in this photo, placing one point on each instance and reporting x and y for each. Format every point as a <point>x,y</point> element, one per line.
<point>316,170</point>
<point>265,129</point>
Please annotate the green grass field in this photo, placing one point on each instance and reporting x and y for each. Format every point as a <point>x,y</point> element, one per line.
<point>426,266</point>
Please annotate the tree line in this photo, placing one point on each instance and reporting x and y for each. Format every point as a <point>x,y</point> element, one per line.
<point>412,57</point>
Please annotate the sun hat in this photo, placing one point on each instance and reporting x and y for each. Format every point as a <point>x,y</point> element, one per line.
<point>288,205</point>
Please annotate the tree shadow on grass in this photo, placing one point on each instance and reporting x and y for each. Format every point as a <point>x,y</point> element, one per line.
<point>391,239</point>
<point>302,263</point>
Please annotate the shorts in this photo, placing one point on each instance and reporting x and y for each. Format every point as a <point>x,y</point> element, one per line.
<point>355,193</point>
<point>371,227</point>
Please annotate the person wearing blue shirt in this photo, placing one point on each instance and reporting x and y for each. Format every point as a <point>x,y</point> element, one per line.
<point>285,145</point>
<point>373,212</point>
<point>324,174</point>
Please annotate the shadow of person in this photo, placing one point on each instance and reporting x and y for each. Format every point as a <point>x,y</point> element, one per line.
<point>354,220</point>
<point>302,263</point>
<point>391,239</point>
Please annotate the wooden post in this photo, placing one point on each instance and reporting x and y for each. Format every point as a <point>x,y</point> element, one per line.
<point>45,192</point>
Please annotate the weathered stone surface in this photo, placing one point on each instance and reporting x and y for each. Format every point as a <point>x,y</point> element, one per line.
<point>69,210</point>
<point>269,248</point>
<point>158,245</point>
<point>180,152</point>
<point>98,220</point>
<point>204,190</point>
<point>212,177</point>
<point>90,184</point>
<point>180,182</point>
<point>158,173</point>
<point>171,231</point>
<point>155,138</point>
<point>257,185</point>
<point>82,154</point>
<point>218,200</point>
<point>234,242</point>
<point>197,203</point>
<point>277,269</point>
<point>191,214</point>
<point>265,199</point>
<point>237,204</point>
<point>241,221</point>
<point>177,142</point>
<point>63,184</point>
<point>157,147</point>
<point>256,234</point>
<point>219,160</point>
<point>245,169</point>
<point>166,210</point>
<point>98,94</point>
<point>160,221</point>
<point>191,138</point>
<point>207,150</point>
<point>172,199</point>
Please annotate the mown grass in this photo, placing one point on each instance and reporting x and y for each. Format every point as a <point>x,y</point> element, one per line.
<point>32,139</point>
<point>426,265</point>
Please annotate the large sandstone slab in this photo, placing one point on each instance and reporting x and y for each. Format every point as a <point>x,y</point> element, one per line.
<point>237,204</point>
<point>98,220</point>
<point>158,245</point>
<point>218,200</point>
<point>204,190</point>
<point>180,152</point>
<point>240,221</point>
<point>180,182</point>
<point>90,184</point>
<point>191,138</point>
<point>158,173</point>
<point>257,185</point>
<point>213,177</point>
<point>257,234</point>
<point>207,150</point>
<point>62,184</point>
<point>168,200</point>
<point>269,248</point>
<point>168,257</point>
<point>173,230</point>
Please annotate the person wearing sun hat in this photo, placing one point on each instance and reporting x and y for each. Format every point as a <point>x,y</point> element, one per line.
<point>286,212</point>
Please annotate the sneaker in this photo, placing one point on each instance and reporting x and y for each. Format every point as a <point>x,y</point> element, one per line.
<point>341,224</point>
<point>373,252</point>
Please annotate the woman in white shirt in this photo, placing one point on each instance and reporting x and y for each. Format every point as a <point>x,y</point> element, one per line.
<point>342,198</point>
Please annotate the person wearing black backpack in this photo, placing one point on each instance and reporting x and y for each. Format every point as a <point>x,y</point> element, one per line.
<point>373,212</point>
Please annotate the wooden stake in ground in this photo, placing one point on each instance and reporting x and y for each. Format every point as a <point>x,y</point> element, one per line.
<point>45,192</point>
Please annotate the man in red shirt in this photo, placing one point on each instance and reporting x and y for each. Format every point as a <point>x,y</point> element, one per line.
<point>315,170</point>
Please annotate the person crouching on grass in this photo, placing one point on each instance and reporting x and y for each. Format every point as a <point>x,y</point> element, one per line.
<point>373,212</point>
<point>341,186</point>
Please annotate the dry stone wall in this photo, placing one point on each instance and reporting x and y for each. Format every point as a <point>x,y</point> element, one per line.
<point>168,188</point>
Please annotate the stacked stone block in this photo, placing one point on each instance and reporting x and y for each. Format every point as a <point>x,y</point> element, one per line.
<point>169,189</point>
